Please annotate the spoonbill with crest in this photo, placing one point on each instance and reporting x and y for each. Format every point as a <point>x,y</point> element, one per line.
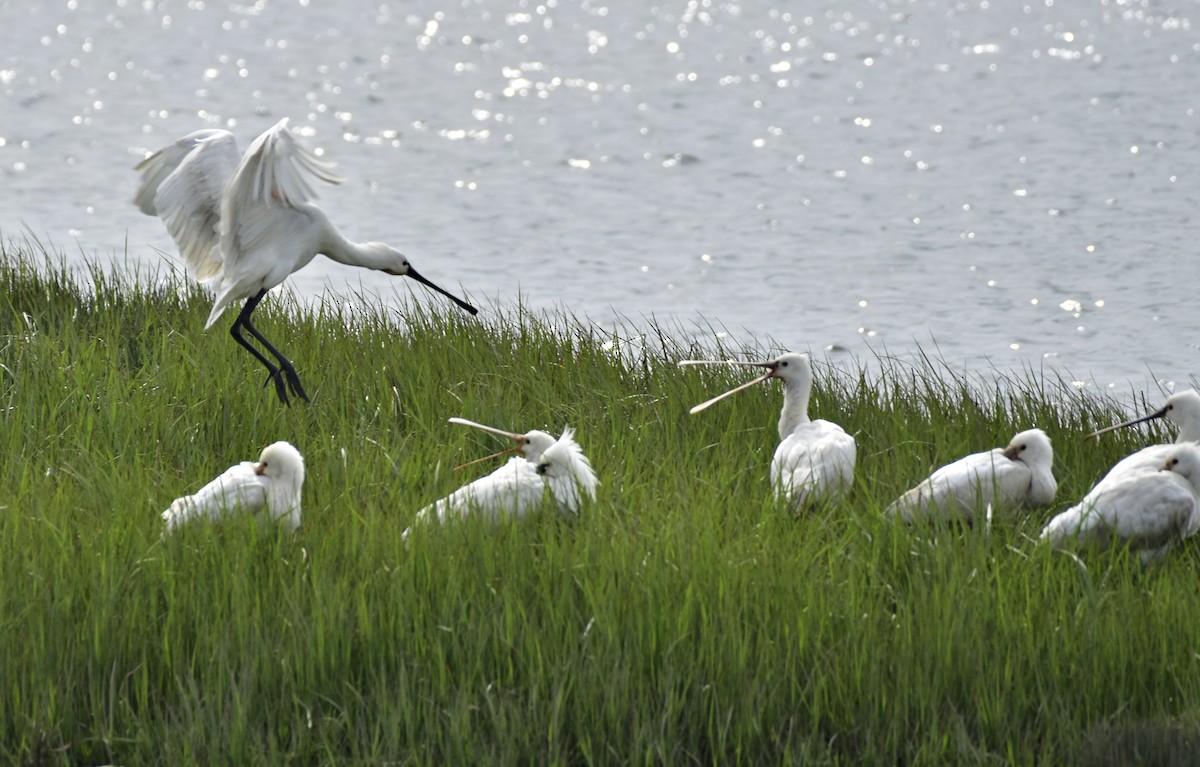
<point>815,459</point>
<point>248,222</point>
<point>519,486</point>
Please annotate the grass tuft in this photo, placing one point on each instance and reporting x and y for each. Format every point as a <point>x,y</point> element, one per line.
<point>683,618</point>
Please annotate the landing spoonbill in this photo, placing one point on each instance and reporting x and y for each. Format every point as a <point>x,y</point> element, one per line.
<point>815,459</point>
<point>1182,409</point>
<point>1147,509</point>
<point>519,486</point>
<point>1008,478</point>
<point>269,489</point>
<point>248,222</point>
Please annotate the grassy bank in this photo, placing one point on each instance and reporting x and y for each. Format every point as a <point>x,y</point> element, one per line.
<point>684,618</point>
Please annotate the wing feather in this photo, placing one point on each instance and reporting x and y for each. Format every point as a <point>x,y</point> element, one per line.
<point>239,488</point>
<point>183,184</point>
<point>270,183</point>
<point>966,486</point>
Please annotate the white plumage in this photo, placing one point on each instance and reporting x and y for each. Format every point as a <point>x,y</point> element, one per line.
<point>815,459</point>
<point>1182,409</point>
<point>519,487</point>
<point>1018,475</point>
<point>248,222</point>
<point>1145,509</point>
<point>268,489</point>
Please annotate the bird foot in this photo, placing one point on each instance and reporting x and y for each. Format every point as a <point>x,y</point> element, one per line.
<point>293,381</point>
<point>286,379</point>
<point>276,377</point>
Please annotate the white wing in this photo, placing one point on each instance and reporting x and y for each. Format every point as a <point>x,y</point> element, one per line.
<point>1147,459</point>
<point>513,490</point>
<point>183,184</point>
<point>272,179</point>
<point>817,459</point>
<point>967,486</point>
<point>238,489</point>
<point>1148,510</point>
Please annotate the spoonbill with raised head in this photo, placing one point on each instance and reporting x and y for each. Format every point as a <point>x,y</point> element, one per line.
<point>268,489</point>
<point>1008,478</point>
<point>1146,509</point>
<point>815,459</point>
<point>1182,409</point>
<point>248,222</point>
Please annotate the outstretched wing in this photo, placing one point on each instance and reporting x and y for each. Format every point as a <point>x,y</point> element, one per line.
<point>240,488</point>
<point>183,184</point>
<point>272,180</point>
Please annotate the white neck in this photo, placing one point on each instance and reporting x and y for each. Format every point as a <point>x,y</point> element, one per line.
<point>795,405</point>
<point>366,254</point>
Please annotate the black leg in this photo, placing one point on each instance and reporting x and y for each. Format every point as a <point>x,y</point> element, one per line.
<point>276,374</point>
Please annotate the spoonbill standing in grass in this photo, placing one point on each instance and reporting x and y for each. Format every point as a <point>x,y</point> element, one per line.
<point>248,222</point>
<point>1182,409</point>
<point>1008,478</point>
<point>1146,509</point>
<point>268,489</point>
<point>519,486</point>
<point>815,459</point>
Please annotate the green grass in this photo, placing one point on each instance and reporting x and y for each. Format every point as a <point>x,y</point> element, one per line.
<point>684,618</point>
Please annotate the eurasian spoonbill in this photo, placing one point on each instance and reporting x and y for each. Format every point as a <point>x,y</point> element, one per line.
<point>519,486</point>
<point>815,459</point>
<point>1182,409</point>
<point>269,489</point>
<point>248,222</point>
<point>1143,508</point>
<point>1008,478</point>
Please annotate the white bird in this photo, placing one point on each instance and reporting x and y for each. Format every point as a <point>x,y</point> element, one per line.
<point>1182,409</point>
<point>815,459</point>
<point>1148,510</point>
<point>1004,479</point>
<point>248,222</point>
<point>268,489</point>
<point>519,486</point>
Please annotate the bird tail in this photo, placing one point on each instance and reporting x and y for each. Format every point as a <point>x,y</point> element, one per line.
<point>217,310</point>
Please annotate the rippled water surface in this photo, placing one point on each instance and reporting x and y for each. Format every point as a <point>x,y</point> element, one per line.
<point>1006,184</point>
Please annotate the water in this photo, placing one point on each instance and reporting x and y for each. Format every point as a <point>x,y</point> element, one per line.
<point>1006,185</point>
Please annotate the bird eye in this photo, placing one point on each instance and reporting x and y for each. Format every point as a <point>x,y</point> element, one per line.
<point>782,364</point>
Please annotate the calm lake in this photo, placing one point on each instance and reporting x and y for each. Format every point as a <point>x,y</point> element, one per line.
<point>1004,185</point>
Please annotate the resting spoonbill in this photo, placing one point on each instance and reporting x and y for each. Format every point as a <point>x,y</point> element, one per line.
<point>269,489</point>
<point>815,459</point>
<point>248,222</point>
<point>1182,409</point>
<point>1008,478</point>
<point>519,486</point>
<point>1144,508</point>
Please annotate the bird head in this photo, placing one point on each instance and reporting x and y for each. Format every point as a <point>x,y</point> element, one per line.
<point>530,445</point>
<point>282,462</point>
<point>1030,447</point>
<point>1182,409</point>
<point>792,368</point>
<point>1184,460</point>
<point>395,263</point>
<point>568,471</point>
